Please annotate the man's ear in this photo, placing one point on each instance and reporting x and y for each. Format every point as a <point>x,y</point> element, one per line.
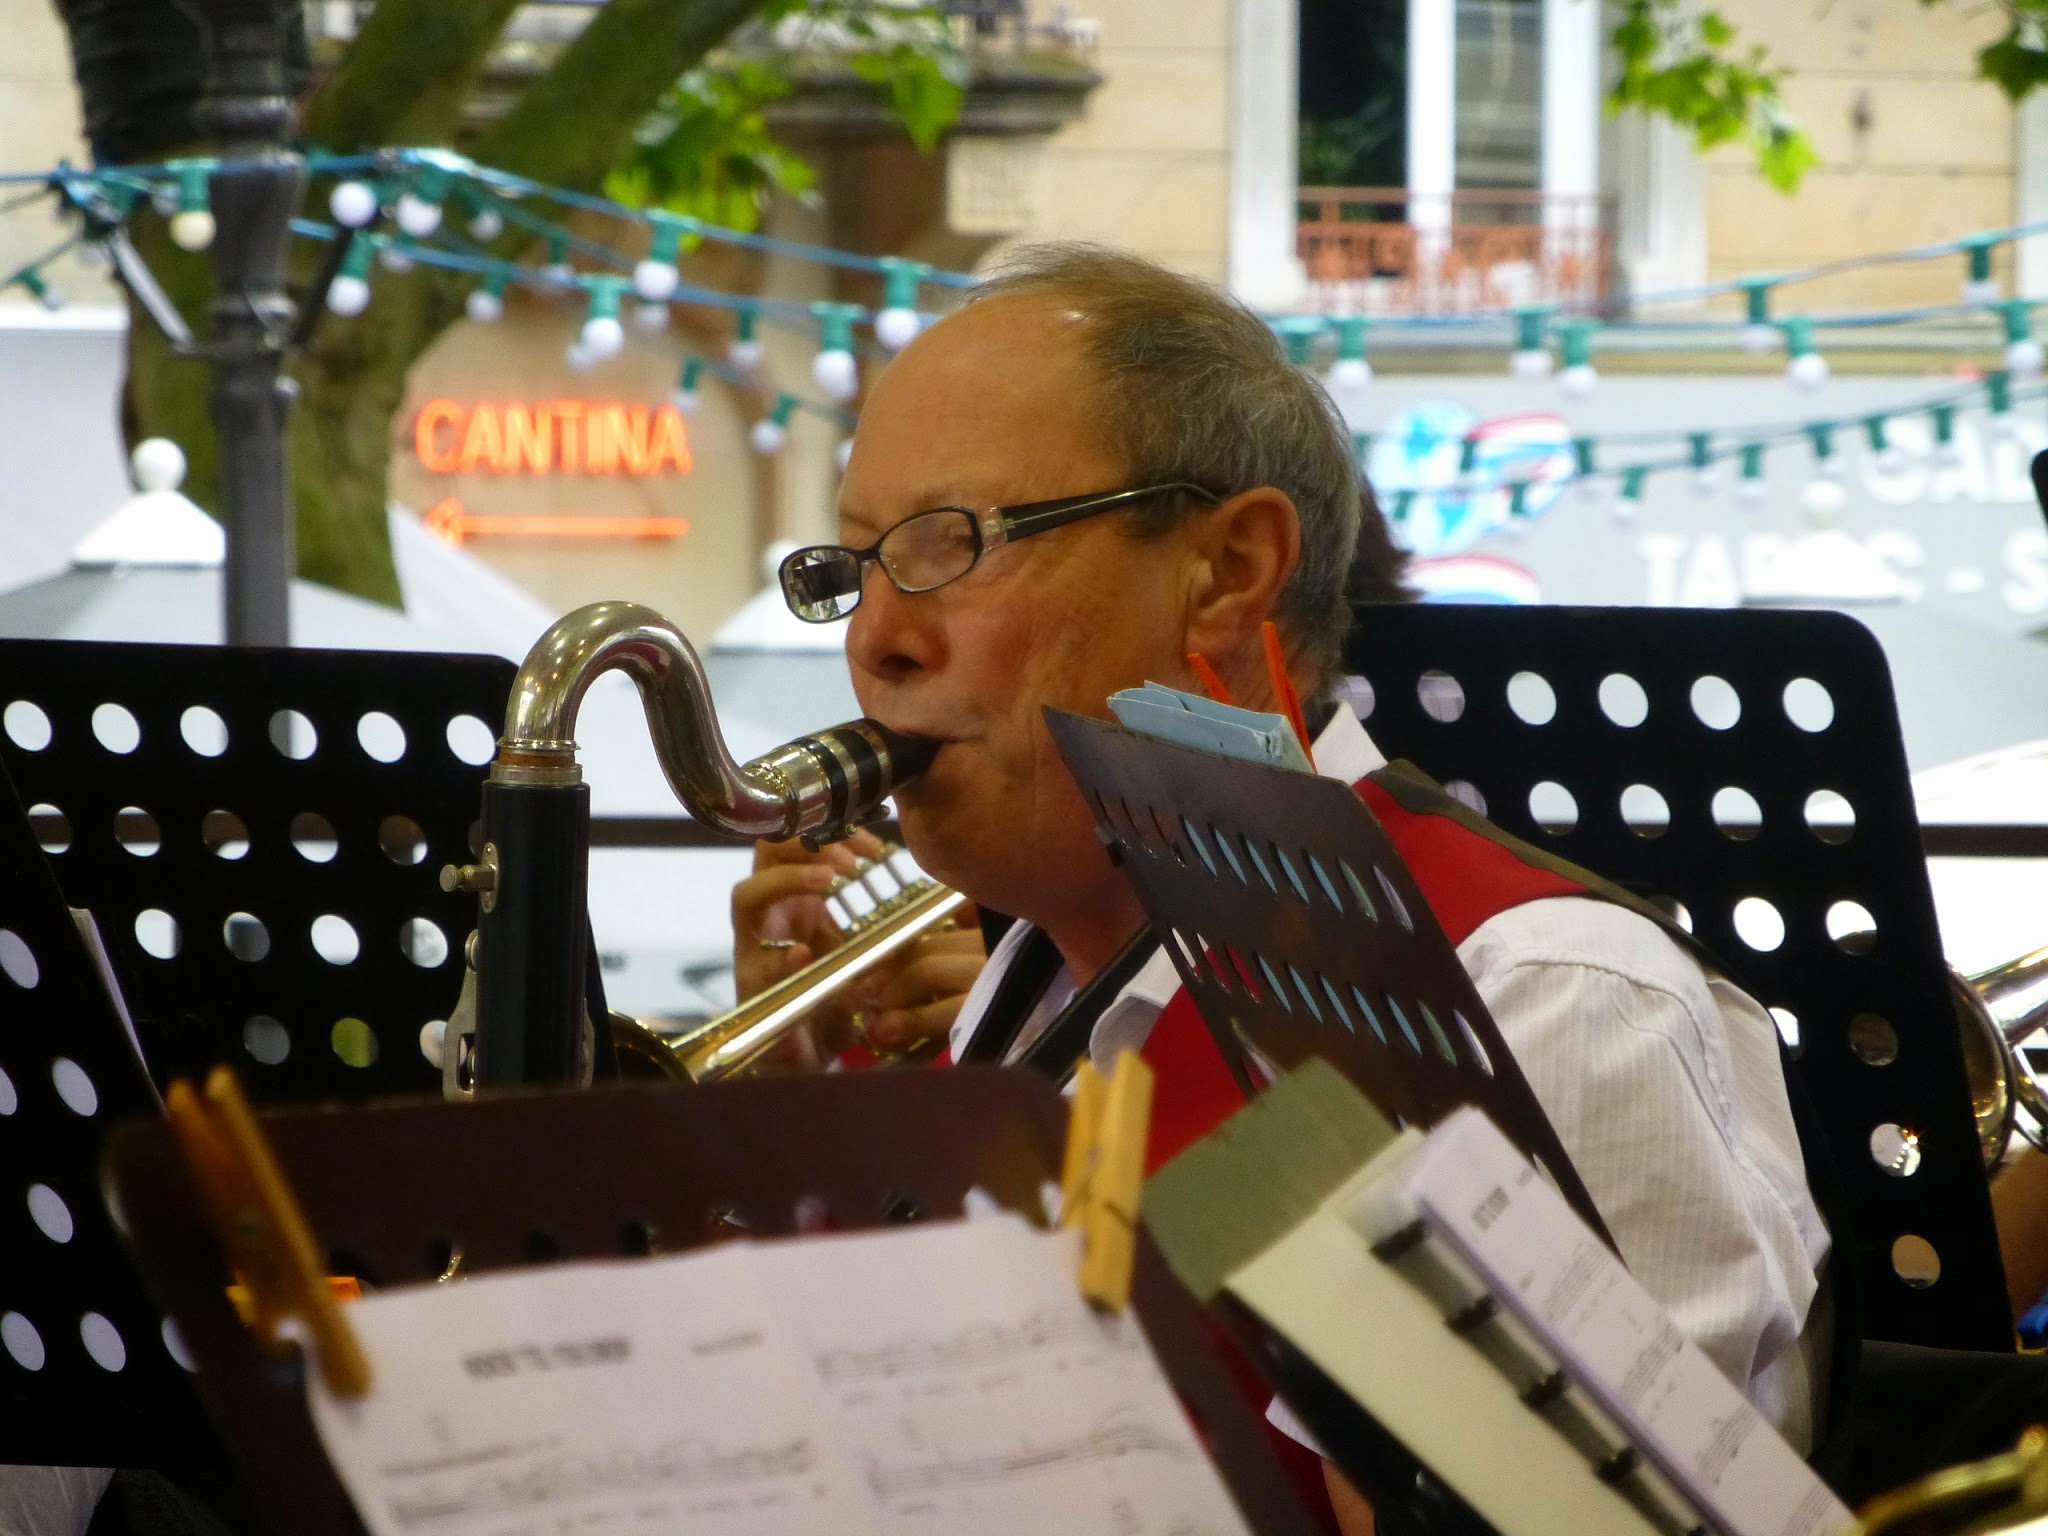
<point>1247,548</point>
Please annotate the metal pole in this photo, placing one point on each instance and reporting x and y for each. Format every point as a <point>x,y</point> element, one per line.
<point>246,111</point>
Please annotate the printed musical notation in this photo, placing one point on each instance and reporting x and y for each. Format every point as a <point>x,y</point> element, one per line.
<point>909,1383</point>
<point>973,1348</point>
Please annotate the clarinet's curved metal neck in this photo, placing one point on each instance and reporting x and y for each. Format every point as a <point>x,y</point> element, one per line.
<point>539,744</point>
<point>815,786</point>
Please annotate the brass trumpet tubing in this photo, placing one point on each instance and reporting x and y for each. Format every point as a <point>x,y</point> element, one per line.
<point>733,1043</point>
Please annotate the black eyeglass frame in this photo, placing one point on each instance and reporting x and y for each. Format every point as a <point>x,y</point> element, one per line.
<point>993,527</point>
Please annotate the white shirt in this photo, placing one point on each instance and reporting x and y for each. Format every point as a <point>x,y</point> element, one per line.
<point>1662,1081</point>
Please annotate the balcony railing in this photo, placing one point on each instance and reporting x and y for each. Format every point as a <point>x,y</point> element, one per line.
<point>1376,250</point>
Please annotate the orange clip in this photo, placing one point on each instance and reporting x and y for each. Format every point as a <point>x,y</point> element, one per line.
<point>1283,689</point>
<point>258,1223</point>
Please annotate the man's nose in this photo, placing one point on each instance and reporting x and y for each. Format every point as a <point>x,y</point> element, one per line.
<point>892,635</point>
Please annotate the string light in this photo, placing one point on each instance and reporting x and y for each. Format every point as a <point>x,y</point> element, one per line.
<point>1578,380</point>
<point>1759,332</point>
<point>1350,372</point>
<point>487,303</point>
<point>1706,476</point>
<point>393,257</point>
<point>1887,455</point>
<point>1298,335</point>
<point>1584,472</point>
<point>2023,354</point>
<point>834,367</point>
<point>192,225</point>
<point>353,204</point>
<point>602,335</point>
<point>41,289</point>
<point>486,224</point>
<point>349,293</point>
<point>1805,368</point>
<point>1531,357</point>
<point>1749,490</point>
<point>655,276</point>
<point>746,350</point>
<point>419,206</point>
<point>1629,505</point>
<point>1998,393</point>
<point>769,433</point>
<point>650,318</point>
<point>899,322</point>
<point>558,271</point>
<point>685,397</point>
<point>1947,454</point>
<point>1824,496</point>
<point>1979,287</point>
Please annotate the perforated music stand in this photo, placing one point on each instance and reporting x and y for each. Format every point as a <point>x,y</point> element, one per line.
<point>627,1170</point>
<point>259,834</point>
<point>1523,712</point>
<point>88,1374</point>
<point>1300,932</point>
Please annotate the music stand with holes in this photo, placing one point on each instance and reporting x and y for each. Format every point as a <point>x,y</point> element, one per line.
<point>536,1177</point>
<point>259,835</point>
<point>90,1373</point>
<point>1299,932</point>
<point>1747,764</point>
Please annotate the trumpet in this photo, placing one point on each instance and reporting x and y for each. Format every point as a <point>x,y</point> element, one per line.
<point>733,1042</point>
<point>1995,1010</point>
<point>523,1018</point>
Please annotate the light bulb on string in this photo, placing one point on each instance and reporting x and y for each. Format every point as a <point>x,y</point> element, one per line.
<point>746,350</point>
<point>1948,454</point>
<point>1350,372</point>
<point>1759,333</point>
<point>1824,496</point>
<point>2023,354</point>
<point>1579,378</point>
<point>1298,335</point>
<point>1584,473</point>
<point>486,224</point>
<point>1750,489</point>
<point>602,335</point>
<point>394,257</point>
<point>487,303</point>
<point>1805,369</point>
<point>834,367</point>
<point>769,433</point>
<point>353,204</point>
<point>1979,287</point>
<point>349,293</point>
<point>1518,508</point>
<point>418,210</point>
<point>192,226</point>
<point>579,357</point>
<point>1628,506</point>
<point>1706,474</point>
<point>650,318</point>
<point>558,270</point>
<point>655,276</point>
<point>1886,455</point>
<point>1531,358</point>
<point>899,322</point>
<point>1998,395</point>
<point>41,289</point>
<point>685,397</point>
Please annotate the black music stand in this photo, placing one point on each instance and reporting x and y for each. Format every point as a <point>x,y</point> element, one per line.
<point>89,1370</point>
<point>529,1178</point>
<point>259,835</point>
<point>1300,932</point>
<point>1737,759</point>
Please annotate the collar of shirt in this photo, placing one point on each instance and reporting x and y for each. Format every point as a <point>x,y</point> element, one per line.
<point>1342,751</point>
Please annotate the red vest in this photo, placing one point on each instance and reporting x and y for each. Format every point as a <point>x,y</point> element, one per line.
<point>1466,878</point>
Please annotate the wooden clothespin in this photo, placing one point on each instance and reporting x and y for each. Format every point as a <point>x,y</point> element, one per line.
<point>260,1227</point>
<point>1108,1121</point>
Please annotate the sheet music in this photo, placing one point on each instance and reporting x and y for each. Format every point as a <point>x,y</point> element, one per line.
<point>941,1378</point>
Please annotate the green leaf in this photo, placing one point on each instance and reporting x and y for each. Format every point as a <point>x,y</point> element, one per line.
<point>1715,31</point>
<point>2013,67</point>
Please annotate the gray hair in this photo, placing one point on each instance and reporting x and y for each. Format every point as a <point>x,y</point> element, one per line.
<point>1198,388</point>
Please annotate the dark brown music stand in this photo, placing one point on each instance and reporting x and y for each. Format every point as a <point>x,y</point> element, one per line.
<point>1300,932</point>
<point>399,1190</point>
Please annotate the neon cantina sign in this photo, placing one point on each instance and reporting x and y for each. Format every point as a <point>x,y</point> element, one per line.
<point>551,437</point>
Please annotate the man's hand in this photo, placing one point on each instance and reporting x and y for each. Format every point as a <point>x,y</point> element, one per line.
<point>780,924</point>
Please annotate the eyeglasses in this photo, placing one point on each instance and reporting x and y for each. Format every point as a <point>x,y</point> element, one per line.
<point>929,549</point>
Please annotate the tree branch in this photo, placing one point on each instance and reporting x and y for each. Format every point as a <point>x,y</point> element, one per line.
<point>577,121</point>
<point>407,74</point>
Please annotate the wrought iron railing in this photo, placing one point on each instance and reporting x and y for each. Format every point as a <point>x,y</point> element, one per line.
<point>1380,249</point>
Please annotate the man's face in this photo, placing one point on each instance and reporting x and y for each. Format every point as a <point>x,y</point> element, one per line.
<point>995,407</point>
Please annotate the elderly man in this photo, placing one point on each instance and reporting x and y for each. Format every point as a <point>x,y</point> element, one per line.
<point>1097,469</point>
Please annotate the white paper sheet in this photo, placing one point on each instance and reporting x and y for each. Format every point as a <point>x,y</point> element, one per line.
<point>942,1378</point>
